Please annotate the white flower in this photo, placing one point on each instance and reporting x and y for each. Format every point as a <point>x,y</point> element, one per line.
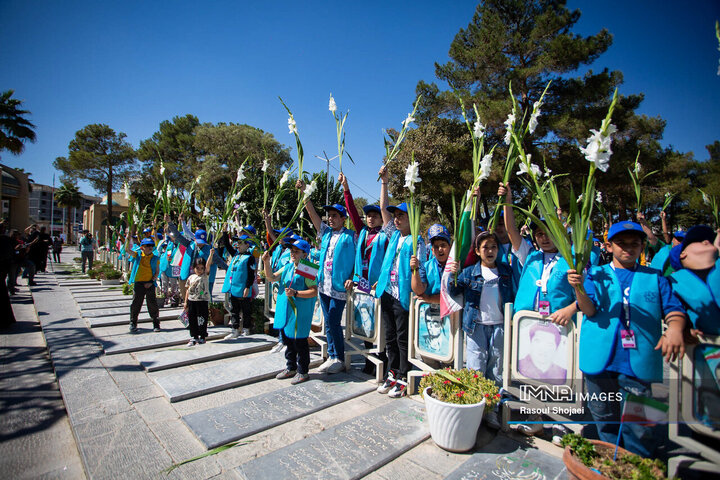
<point>533,118</point>
<point>509,125</point>
<point>439,210</point>
<point>408,120</point>
<point>479,129</point>
<point>309,190</point>
<point>706,199</point>
<point>292,126</point>
<point>547,172</point>
<point>285,177</point>
<point>412,177</point>
<point>127,191</point>
<point>162,168</point>
<point>534,169</point>
<point>580,198</point>
<point>598,148</point>
<point>168,189</point>
<point>135,218</point>
<point>265,166</point>
<point>206,212</point>
<point>667,194</point>
<point>637,168</point>
<point>485,165</point>
<point>332,106</point>
<point>197,180</point>
<point>598,197</point>
<point>240,175</point>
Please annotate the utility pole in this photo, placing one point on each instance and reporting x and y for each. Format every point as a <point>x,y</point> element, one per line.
<point>327,174</point>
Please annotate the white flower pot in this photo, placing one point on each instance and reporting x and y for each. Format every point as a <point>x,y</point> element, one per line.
<point>453,427</point>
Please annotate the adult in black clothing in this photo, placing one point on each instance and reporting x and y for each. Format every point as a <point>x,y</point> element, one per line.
<point>57,249</point>
<point>7,317</point>
<point>39,251</point>
<point>17,261</point>
<point>32,237</point>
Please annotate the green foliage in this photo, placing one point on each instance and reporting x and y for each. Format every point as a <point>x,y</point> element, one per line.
<point>104,271</point>
<point>127,288</point>
<point>463,387</point>
<point>15,129</point>
<point>580,447</point>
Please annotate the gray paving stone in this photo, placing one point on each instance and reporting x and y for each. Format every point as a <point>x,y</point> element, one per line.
<point>106,312</point>
<point>79,283</point>
<point>123,318</point>
<point>100,293</point>
<point>84,307</point>
<point>349,450</point>
<point>504,458</point>
<point>183,385</point>
<point>136,342</point>
<point>237,420</point>
<point>100,298</point>
<point>179,357</point>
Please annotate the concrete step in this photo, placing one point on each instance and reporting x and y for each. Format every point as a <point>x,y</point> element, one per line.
<point>149,340</point>
<point>123,318</point>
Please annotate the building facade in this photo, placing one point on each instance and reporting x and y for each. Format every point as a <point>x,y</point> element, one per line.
<point>41,212</point>
<point>15,192</point>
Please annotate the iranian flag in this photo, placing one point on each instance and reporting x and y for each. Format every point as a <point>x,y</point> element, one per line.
<point>178,256</point>
<point>458,253</point>
<point>644,410</point>
<point>307,269</point>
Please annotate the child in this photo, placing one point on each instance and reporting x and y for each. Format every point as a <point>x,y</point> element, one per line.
<point>294,311</point>
<point>439,239</point>
<point>143,276</point>
<point>197,299</point>
<point>624,304</point>
<point>487,286</point>
<point>169,281</point>
<point>239,280</point>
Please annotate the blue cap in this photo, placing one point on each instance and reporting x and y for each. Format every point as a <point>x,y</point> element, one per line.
<point>243,238</point>
<point>147,241</point>
<point>680,234</point>
<point>250,228</point>
<point>438,231</point>
<point>147,230</point>
<point>339,208</point>
<point>402,207</point>
<point>595,239</point>
<point>291,238</point>
<point>302,245</point>
<point>625,227</point>
<point>675,262</point>
<point>200,237</point>
<point>371,208</point>
<point>159,235</point>
<point>285,230</point>
<point>698,233</point>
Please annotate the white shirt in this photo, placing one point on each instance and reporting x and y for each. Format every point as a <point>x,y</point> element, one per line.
<point>489,312</point>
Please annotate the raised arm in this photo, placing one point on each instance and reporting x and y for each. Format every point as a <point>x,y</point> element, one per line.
<point>350,203</point>
<point>509,216</point>
<point>179,237</point>
<point>666,232</point>
<point>210,259</point>
<point>652,239</point>
<point>384,199</point>
<point>314,217</point>
<point>269,275</point>
<point>268,227</point>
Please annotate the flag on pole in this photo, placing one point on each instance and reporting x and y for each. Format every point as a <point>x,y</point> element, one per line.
<point>178,256</point>
<point>458,253</point>
<point>644,410</point>
<point>307,269</point>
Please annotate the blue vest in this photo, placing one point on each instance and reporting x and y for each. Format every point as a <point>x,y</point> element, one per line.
<point>377,254</point>
<point>510,259</point>
<point>165,259</point>
<point>599,333</point>
<point>190,254</point>
<point>661,259</point>
<point>236,276</point>
<point>135,261</point>
<point>294,326</point>
<point>280,257</point>
<point>559,292</point>
<point>403,273</point>
<point>701,299</point>
<point>434,276</point>
<point>343,255</point>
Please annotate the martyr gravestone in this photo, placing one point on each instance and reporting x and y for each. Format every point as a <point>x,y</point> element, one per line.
<point>135,342</point>
<point>123,318</point>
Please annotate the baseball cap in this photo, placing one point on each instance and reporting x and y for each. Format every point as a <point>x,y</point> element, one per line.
<point>243,238</point>
<point>159,235</point>
<point>302,245</point>
<point>200,237</point>
<point>679,234</point>
<point>250,228</point>
<point>402,207</point>
<point>371,208</point>
<point>698,233</point>
<point>147,230</point>
<point>147,241</point>
<point>339,208</point>
<point>285,230</point>
<point>438,231</point>
<point>625,227</point>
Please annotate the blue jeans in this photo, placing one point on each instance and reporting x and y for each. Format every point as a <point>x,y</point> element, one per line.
<point>332,311</point>
<point>484,349</point>
<point>639,439</point>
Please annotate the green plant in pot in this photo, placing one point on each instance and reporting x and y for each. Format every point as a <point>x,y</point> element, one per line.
<point>217,313</point>
<point>455,401</point>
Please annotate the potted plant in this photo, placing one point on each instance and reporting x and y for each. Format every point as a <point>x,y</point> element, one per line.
<point>593,460</point>
<point>455,401</point>
<point>217,313</point>
<point>160,298</point>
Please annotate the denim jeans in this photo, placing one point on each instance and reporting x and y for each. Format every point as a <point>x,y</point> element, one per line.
<point>485,350</point>
<point>332,311</point>
<point>639,439</point>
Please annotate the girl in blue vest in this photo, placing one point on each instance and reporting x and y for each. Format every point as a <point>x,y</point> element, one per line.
<point>169,279</point>
<point>487,286</point>
<point>144,272</point>
<point>294,311</point>
<point>337,261</point>
<point>393,289</point>
<point>239,281</point>
<point>621,341</point>
<point>197,299</point>
<point>439,239</point>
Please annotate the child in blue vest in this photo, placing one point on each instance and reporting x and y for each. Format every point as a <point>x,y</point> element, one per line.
<point>621,341</point>
<point>143,275</point>
<point>239,281</point>
<point>168,278</point>
<point>294,311</point>
<point>197,299</point>
<point>487,286</point>
<point>439,239</point>
<point>337,261</point>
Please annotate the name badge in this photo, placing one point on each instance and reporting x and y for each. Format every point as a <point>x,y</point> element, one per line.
<point>363,285</point>
<point>393,276</point>
<point>544,307</point>
<point>627,337</point>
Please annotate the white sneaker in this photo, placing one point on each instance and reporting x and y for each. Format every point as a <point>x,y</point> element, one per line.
<point>245,332</point>
<point>388,384</point>
<point>277,348</point>
<point>336,367</point>
<point>324,367</point>
<point>232,335</point>
<point>398,390</point>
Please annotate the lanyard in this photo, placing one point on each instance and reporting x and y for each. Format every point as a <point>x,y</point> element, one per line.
<point>625,317</point>
<point>545,276</point>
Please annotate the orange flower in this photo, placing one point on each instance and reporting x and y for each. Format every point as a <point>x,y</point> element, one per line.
<point>446,382</point>
<point>461,393</point>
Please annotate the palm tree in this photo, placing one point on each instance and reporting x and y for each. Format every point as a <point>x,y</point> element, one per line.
<point>68,196</point>
<point>14,129</point>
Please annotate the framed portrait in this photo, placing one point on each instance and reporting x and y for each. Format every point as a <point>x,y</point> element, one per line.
<point>433,335</point>
<point>362,311</point>
<point>318,318</point>
<point>700,388</point>
<point>542,352</point>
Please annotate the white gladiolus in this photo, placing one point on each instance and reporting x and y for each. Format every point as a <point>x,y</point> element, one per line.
<point>479,129</point>
<point>667,194</point>
<point>547,172</point>
<point>485,165</point>
<point>309,190</point>
<point>285,177</point>
<point>292,126</point>
<point>197,180</point>
<point>637,168</point>
<point>240,175</point>
<point>534,169</point>
<point>532,125</point>
<point>206,212</point>
<point>439,210</point>
<point>127,191</point>
<point>412,176</point>
<point>598,197</point>
<point>598,148</point>
<point>162,168</point>
<point>332,106</point>
<point>509,125</point>
<point>706,199</point>
<point>580,198</point>
<point>408,120</point>
<point>265,166</point>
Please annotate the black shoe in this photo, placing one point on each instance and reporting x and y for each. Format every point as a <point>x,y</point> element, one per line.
<point>32,284</point>
<point>133,328</point>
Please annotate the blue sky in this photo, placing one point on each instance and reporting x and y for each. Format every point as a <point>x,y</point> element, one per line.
<point>133,64</point>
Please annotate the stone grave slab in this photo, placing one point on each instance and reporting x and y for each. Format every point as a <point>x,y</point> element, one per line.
<point>154,361</point>
<point>135,342</point>
<point>504,458</point>
<point>106,312</point>
<point>106,304</point>
<point>102,294</point>
<point>77,283</point>
<point>218,426</point>
<point>212,378</point>
<point>124,317</point>
<point>349,450</point>
<point>85,301</point>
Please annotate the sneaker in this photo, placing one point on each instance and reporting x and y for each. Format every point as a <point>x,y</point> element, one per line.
<point>285,374</point>
<point>558,431</point>
<point>399,390</point>
<point>530,429</point>
<point>192,342</point>
<point>388,384</point>
<point>201,340</point>
<point>299,378</point>
<point>133,328</point>
<point>336,367</point>
<point>492,419</point>
<point>277,348</point>
<point>232,335</point>
<point>324,367</point>
<point>245,332</point>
